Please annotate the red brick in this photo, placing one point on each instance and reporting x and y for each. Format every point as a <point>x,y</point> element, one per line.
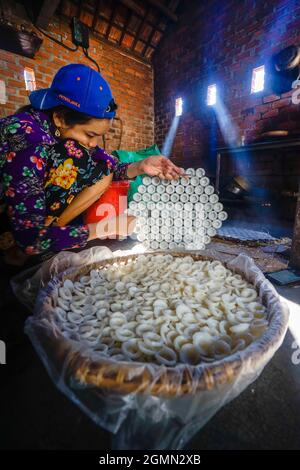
<point>263,108</point>
<point>16,84</point>
<point>270,98</point>
<point>24,93</point>
<point>281,103</point>
<point>287,94</point>
<point>270,114</point>
<point>252,118</point>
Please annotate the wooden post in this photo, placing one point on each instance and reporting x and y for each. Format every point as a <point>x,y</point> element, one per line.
<point>295,254</point>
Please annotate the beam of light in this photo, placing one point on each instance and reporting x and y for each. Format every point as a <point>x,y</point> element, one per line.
<point>168,143</point>
<point>242,164</point>
<point>294,320</point>
<point>211,95</point>
<point>178,106</point>
<point>227,126</point>
<point>258,79</point>
<point>213,144</point>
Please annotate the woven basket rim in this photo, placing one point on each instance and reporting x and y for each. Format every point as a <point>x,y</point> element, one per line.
<point>107,373</point>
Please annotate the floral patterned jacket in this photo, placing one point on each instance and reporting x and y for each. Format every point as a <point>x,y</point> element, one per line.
<point>25,142</point>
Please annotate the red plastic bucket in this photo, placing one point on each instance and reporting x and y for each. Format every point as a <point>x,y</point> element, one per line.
<point>112,202</point>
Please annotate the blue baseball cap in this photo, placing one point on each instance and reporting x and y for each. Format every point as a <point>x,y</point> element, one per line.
<point>79,87</point>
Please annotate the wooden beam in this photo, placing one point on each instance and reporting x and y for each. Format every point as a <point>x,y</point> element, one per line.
<point>164,9</point>
<point>295,253</point>
<point>127,21</point>
<point>46,13</point>
<point>100,15</point>
<point>143,22</point>
<point>96,14</point>
<point>79,9</point>
<point>123,50</point>
<point>115,25</point>
<point>136,38</point>
<point>147,22</point>
<point>138,10</point>
<point>148,43</point>
<point>112,19</point>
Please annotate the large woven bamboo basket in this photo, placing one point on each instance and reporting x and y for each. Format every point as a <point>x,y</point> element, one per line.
<point>124,378</point>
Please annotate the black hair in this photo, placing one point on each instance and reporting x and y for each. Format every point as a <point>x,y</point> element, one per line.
<point>70,116</point>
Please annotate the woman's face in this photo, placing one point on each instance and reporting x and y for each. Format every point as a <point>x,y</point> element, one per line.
<point>89,135</point>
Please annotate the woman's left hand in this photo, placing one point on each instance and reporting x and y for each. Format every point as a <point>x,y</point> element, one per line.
<point>156,165</point>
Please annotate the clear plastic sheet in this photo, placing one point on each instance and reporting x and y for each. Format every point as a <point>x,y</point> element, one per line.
<point>140,419</point>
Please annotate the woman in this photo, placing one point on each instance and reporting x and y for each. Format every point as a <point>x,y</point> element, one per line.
<point>78,107</point>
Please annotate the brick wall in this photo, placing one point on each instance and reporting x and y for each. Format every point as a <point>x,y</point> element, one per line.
<point>221,42</point>
<point>131,81</point>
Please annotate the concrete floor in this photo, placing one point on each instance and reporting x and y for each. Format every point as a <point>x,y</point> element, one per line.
<point>35,415</point>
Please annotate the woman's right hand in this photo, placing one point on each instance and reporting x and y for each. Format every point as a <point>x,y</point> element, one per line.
<point>121,225</point>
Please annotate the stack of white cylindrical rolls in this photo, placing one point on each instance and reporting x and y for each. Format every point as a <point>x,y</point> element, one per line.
<point>177,214</point>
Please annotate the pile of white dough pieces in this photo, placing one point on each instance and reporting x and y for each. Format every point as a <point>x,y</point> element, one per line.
<point>182,213</point>
<point>161,309</point>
